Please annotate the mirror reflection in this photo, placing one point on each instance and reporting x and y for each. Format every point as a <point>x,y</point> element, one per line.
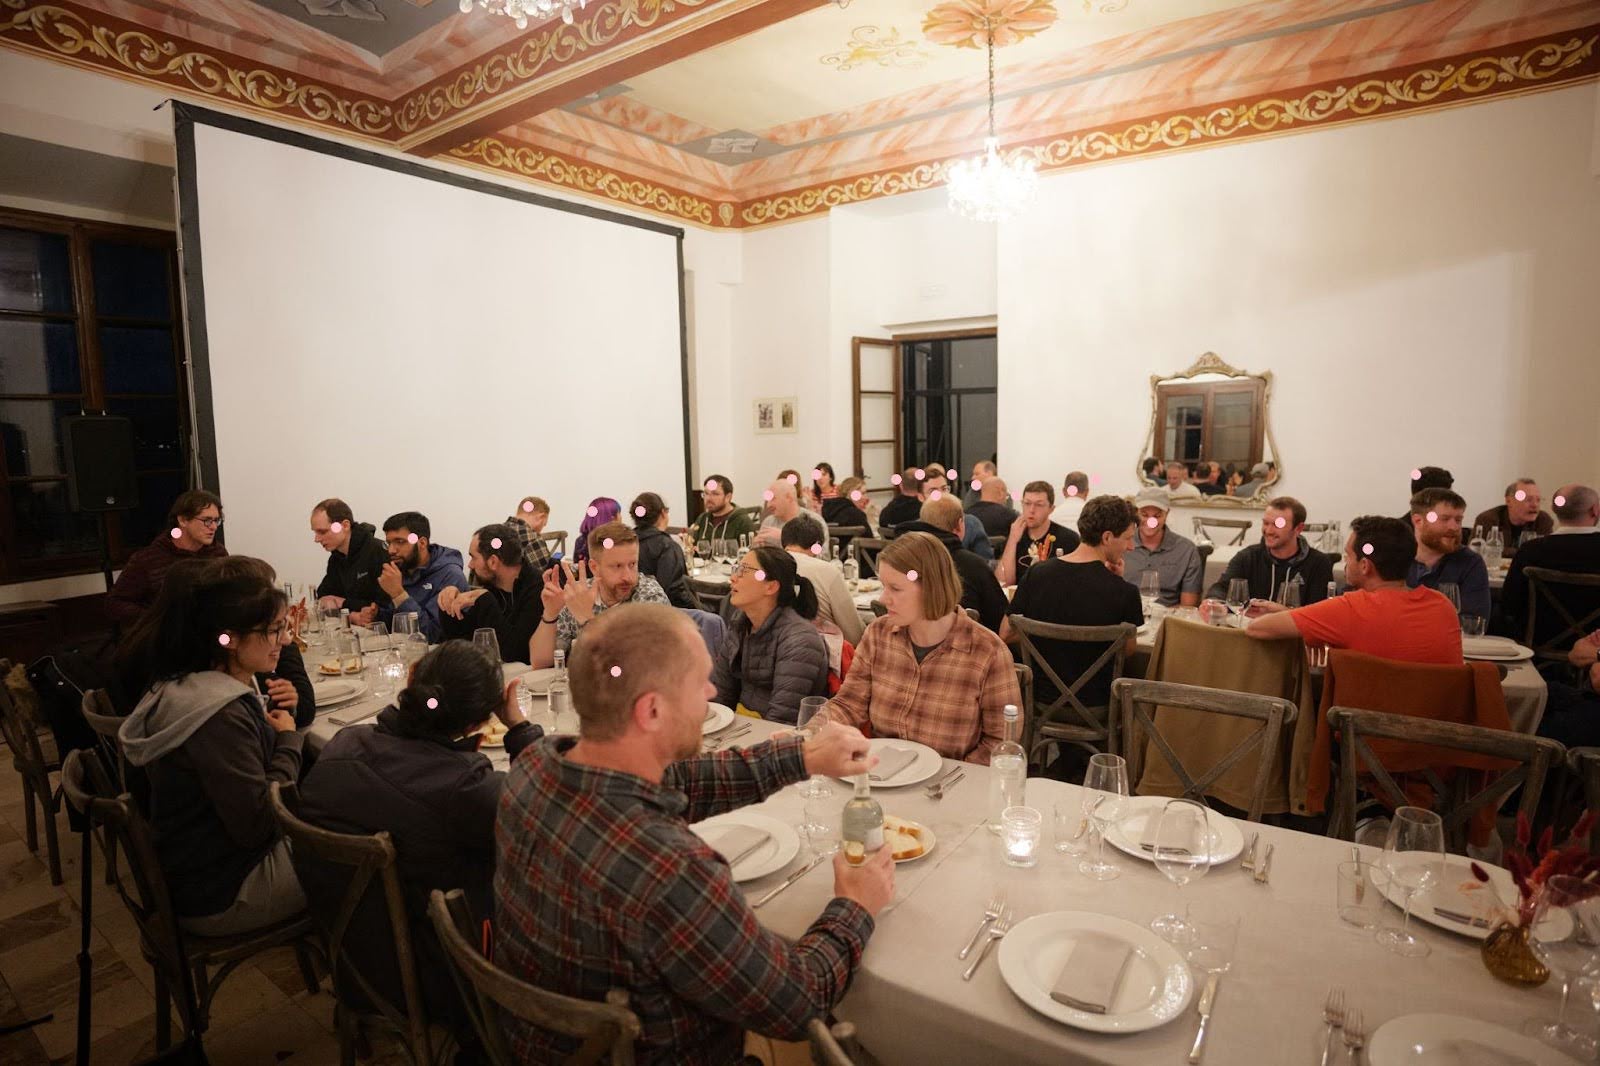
<point>1210,439</point>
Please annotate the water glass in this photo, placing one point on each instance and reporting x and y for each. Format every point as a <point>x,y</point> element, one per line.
<point>1473,625</point>
<point>1413,859</point>
<point>1104,802</point>
<point>1071,828</point>
<point>488,642</point>
<point>404,624</point>
<point>1569,956</point>
<point>1359,901</point>
<point>1452,592</point>
<point>822,825</point>
<point>390,675</point>
<point>1180,847</point>
<point>806,724</point>
<point>1020,830</point>
<point>374,640</point>
<point>1214,935</point>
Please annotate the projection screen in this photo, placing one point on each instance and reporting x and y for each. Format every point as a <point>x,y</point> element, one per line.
<point>409,339</point>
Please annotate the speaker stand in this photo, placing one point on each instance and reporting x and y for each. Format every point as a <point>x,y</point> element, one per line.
<point>105,549</point>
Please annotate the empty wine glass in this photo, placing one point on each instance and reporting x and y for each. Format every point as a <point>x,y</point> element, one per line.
<point>1104,803</point>
<point>375,640</point>
<point>1413,859</point>
<point>1149,591</point>
<point>1181,850</point>
<point>1238,597</point>
<point>413,647</point>
<point>1565,936</point>
<point>1452,592</point>
<point>404,624</point>
<point>807,724</point>
<point>489,643</point>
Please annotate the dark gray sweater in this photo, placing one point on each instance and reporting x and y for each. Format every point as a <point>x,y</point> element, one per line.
<point>773,668</point>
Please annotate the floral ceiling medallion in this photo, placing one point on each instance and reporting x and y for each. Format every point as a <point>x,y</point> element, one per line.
<point>869,44</point>
<point>967,23</point>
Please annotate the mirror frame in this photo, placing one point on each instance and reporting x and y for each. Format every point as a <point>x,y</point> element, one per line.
<point>1212,363</point>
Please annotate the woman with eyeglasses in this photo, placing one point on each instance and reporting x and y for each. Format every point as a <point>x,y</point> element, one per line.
<point>771,656</point>
<point>211,746</point>
<point>190,533</point>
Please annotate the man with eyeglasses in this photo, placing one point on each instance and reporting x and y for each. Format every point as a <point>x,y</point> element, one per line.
<point>190,533</point>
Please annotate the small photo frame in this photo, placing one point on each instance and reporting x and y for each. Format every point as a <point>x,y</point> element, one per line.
<point>777,414</point>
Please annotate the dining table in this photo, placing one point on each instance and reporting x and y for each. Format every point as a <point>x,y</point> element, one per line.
<point>1222,554</point>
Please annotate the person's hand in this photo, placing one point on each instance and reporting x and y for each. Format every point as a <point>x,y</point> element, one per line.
<point>280,720</point>
<point>366,616</point>
<point>838,750</point>
<point>1018,528</point>
<point>1118,567</point>
<point>578,596</point>
<point>1583,653</point>
<point>508,712</point>
<point>871,884</point>
<point>454,602</point>
<point>282,695</point>
<point>768,537</point>
<point>391,582</point>
<point>331,603</point>
<point>1258,607</point>
<point>552,597</point>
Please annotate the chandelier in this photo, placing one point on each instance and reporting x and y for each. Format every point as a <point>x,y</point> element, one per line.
<point>522,10</point>
<point>990,188</point>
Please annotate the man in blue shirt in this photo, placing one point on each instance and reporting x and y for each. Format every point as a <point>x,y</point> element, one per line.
<point>417,571</point>
<point>1442,559</point>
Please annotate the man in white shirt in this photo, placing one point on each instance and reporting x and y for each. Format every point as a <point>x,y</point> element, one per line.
<point>782,504</point>
<point>1074,490</point>
<point>835,606</point>
<point>1178,486</point>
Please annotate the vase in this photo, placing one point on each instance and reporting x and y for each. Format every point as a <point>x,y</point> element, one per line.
<point>1507,956</point>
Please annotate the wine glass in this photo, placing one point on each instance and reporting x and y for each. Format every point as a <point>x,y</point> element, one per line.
<point>1413,859</point>
<point>1181,850</point>
<point>375,640</point>
<point>1239,597</point>
<point>405,624</point>
<point>488,642</point>
<point>1149,591</point>
<point>1452,592</point>
<point>1565,937</point>
<point>807,724</point>
<point>1104,803</point>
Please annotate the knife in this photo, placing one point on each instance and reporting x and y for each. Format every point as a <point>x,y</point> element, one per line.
<point>746,853</point>
<point>1208,999</point>
<point>1464,919</point>
<point>787,881</point>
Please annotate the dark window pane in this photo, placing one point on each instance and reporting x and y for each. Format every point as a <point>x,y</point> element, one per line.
<point>38,357</point>
<point>138,359</point>
<point>156,493</point>
<point>974,364</point>
<point>157,433</point>
<point>131,280</point>
<point>30,434</point>
<point>35,271</point>
<point>45,528</point>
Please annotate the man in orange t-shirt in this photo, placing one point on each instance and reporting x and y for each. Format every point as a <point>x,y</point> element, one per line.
<point>1379,615</point>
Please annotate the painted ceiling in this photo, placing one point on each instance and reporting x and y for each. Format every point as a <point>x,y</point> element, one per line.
<point>740,113</point>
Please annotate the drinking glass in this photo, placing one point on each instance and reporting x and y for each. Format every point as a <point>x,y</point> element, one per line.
<point>1238,598</point>
<point>375,640</point>
<point>815,786</point>
<point>1071,826</point>
<point>1290,594</point>
<point>822,825</point>
<point>313,622</point>
<point>1181,850</point>
<point>391,674</point>
<point>1149,591</point>
<point>1215,934</point>
<point>405,624</point>
<point>1413,859</point>
<point>1358,900</point>
<point>1104,803</point>
<point>1568,947</point>
<point>1472,625</point>
<point>413,647</point>
<point>1020,829</point>
<point>1452,592</point>
<point>486,640</point>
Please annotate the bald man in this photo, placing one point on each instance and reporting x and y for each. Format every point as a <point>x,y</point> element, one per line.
<point>782,504</point>
<point>969,492</point>
<point>1574,547</point>
<point>991,508</point>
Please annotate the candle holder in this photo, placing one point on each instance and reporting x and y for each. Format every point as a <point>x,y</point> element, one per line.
<point>1020,830</point>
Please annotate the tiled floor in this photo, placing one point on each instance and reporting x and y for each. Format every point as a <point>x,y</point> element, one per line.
<point>262,1015</point>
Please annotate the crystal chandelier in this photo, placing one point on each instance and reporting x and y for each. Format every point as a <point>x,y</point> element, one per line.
<point>523,10</point>
<point>990,187</point>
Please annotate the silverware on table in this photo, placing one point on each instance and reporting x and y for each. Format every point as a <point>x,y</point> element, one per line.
<point>1165,850</point>
<point>1333,1018</point>
<point>747,852</point>
<point>1463,918</point>
<point>787,881</point>
<point>935,786</point>
<point>991,911</point>
<point>1355,1038</point>
<point>937,792</point>
<point>1208,1001</point>
<point>1264,867</point>
<point>1248,862</point>
<point>718,743</point>
<point>1000,928</point>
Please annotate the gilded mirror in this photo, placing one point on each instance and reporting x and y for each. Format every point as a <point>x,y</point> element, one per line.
<point>1210,439</point>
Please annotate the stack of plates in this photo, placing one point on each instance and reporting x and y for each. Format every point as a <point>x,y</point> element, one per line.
<point>1494,649</point>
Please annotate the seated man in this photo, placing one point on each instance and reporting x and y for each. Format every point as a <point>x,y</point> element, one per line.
<point>355,557</point>
<point>981,470</point>
<point>1518,515</point>
<point>980,590</point>
<point>417,571</point>
<point>191,533</point>
<point>1436,516</point>
<point>1281,556</point>
<point>991,508</point>
<point>1379,615</point>
<point>1074,494</point>
<point>529,521</point>
<point>1260,477</point>
<point>1572,715</point>
<point>907,503</point>
<point>1178,487</point>
<point>571,599</point>
<point>783,504</point>
<point>1172,555</point>
<point>1033,536</point>
<point>1210,481</point>
<point>974,537</point>
<point>507,599</point>
<point>721,520</point>
<point>1574,547</point>
<point>600,884</point>
<point>836,609</point>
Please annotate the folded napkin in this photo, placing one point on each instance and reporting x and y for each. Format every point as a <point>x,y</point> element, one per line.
<point>891,760</point>
<point>1472,1053</point>
<point>736,841</point>
<point>1093,973</point>
<point>711,712</point>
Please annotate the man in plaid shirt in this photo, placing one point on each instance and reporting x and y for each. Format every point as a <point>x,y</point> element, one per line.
<point>599,883</point>
<point>532,514</point>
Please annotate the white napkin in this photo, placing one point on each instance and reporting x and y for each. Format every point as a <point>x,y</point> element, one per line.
<point>891,760</point>
<point>735,840</point>
<point>1093,973</point>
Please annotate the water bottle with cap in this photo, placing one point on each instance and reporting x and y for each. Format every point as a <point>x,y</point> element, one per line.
<point>1008,770</point>
<point>562,717</point>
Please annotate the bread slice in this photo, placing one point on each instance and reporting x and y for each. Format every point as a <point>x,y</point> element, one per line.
<point>903,838</point>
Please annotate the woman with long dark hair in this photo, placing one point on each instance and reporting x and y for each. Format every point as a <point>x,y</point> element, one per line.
<point>771,656</point>
<point>659,554</point>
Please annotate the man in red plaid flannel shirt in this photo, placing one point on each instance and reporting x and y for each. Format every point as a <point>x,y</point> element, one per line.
<point>599,883</point>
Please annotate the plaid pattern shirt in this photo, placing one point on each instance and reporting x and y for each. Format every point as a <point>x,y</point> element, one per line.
<point>953,701</point>
<point>534,550</point>
<point>600,884</point>
<point>648,590</point>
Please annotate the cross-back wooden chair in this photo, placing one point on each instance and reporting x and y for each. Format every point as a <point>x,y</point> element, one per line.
<point>34,765</point>
<point>104,721</point>
<point>1067,719</point>
<point>1531,758</point>
<point>1584,763</point>
<point>358,1002</point>
<point>556,541</point>
<point>1240,527</point>
<point>865,550</point>
<point>711,594</point>
<point>833,1045</point>
<point>607,1029</point>
<point>1544,584</point>
<point>1132,700</point>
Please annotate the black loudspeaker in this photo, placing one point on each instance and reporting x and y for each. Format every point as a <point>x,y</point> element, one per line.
<point>100,473</point>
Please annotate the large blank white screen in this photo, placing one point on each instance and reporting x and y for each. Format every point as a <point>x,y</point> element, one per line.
<point>409,345</point>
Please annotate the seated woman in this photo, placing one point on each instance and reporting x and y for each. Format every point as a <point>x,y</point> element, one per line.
<point>417,774</point>
<point>289,686</point>
<point>771,656</point>
<point>601,509</point>
<point>925,671</point>
<point>211,746</point>
<point>659,554</point>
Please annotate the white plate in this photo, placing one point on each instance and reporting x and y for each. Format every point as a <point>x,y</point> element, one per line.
<point>1227,842</point>
<point>782,845</point>
<point>929,842</point>
<point>1494,649</point>
<point>1433,1040</point>
<point>1453,894</point>
<point>537,682</point>
<point>332,691</point>
<point>927,763</point>
<point>1156,988</point>
<point>719,717</point>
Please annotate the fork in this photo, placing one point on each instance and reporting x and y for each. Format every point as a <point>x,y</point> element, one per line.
<point>1000,928</point>
<point>1249,860</point>
<point>1333,1018</point>
<point>1354,1038</point>
<point>936,791</point>
<point>991,911</point>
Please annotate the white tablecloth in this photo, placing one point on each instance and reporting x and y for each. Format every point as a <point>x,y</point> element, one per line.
<point>1223,554</point>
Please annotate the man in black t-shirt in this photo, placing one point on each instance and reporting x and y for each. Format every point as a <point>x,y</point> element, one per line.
<point>1033,536</point>
<point>907,505</point>
<point>991,508</point>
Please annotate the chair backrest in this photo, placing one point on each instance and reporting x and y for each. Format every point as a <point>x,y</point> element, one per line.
<point>555,540</point>
<point>607,1029</point>
<point>1132,700</point>
<point>866,551</point>
<point>106,723</point>
<point>1317,527</point>
<point>21,734</point>
<point>711,594</point>
<point>1585,766</point>
<point>1531,758</point>
<point>752,513</point>
<point>836,532</point>
<point>1544,588</point>
<point>831,1046</point>
<point>1205,551</point>
<point>1025,689</point>
<point>1240,527</point>
<point>371,864</point>
<point>1115,651</point>
<point>998,544</point>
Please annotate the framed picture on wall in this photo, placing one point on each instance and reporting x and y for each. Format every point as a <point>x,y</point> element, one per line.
<point>777,414</point>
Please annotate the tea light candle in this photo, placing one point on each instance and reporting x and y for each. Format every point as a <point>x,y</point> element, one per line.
<point>1020,830</point>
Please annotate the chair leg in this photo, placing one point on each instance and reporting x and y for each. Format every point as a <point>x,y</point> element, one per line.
<point>111,860</point>
<point>163,1012</point>
<point>53,845</point>
<point>345,1021</point>
<point>308,967</point>
<point>30,827</point>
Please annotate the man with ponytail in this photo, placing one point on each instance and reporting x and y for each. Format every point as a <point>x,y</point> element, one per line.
<point>771,656</point>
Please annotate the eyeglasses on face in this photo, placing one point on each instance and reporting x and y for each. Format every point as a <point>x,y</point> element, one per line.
<point>210,522</point>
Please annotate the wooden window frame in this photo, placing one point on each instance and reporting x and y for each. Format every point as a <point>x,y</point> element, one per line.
<point>857,392</point>
<point>1208,391</point>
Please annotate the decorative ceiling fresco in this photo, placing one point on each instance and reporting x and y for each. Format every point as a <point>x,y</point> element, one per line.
<point>732,114</point>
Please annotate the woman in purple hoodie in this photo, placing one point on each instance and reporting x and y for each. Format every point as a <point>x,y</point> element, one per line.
<point>602,509</point>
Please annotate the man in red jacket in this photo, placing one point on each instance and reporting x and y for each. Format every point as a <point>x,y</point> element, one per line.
<point>194,521</point>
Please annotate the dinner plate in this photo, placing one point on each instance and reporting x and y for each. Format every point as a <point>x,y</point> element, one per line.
<point>537,682</point>
<point>1494,649</point>
<point>1227,842</point>
<point>926,835</point>
<point>782,844</point>
<point>718,717</point>
<point>1451,1039</point>
<point>333,691</point>
<point>868,584</point>
<point>927,763</point>
<point>1462,893</point>
<point>1156,986</point>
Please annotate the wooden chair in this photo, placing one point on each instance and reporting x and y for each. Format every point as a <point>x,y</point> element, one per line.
<point>1544,585</point>
<point>831,1045</point>
<point>1205,551</point>
<point>998,544</point>
<point>358,1002</point>
<point>1584,763</point>
<point>865,550</point>
<point>607,1029</point>
<point>711,594</point>
<point>1532,758</point>
<point>187,968</point>
<point>556,541</point>
<point>1025,690</point>
<point>1240,527</point>
<point>1132,700</point>
<point>103,719</point>
<point>1066,719</point>
<point>34,765</point>
<point>835,532</point>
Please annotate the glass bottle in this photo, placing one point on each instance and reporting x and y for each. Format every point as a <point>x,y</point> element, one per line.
<point>862,827</point>
<point>562,717</point>
<point>1008,770</point>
